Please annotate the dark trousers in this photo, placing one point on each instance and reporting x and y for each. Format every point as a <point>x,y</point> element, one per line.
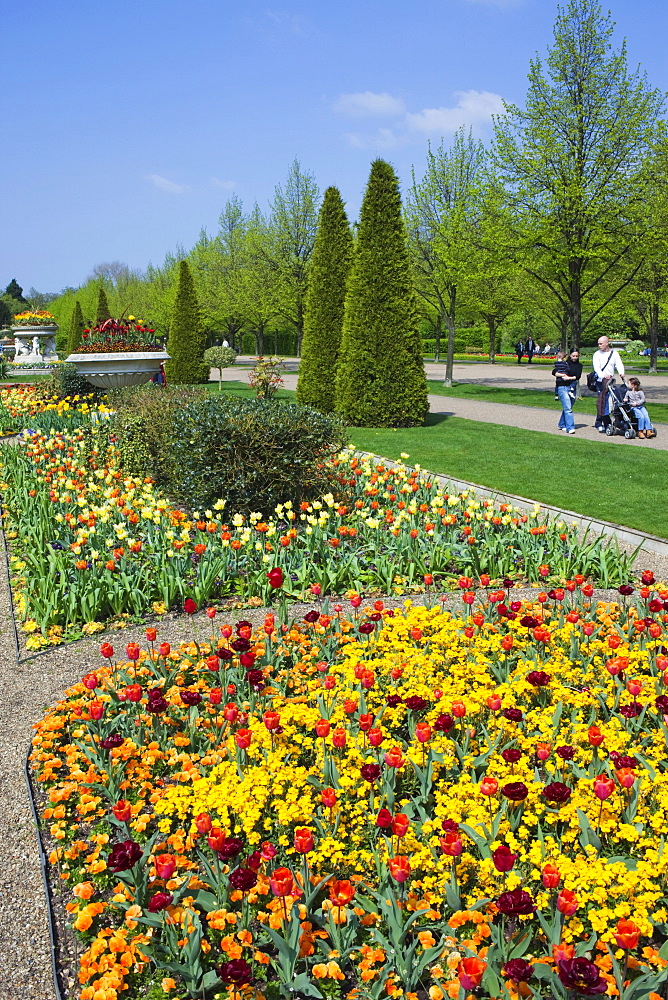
<point>601,403</point>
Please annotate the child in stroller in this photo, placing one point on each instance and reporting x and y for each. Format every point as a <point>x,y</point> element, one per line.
<point>623,418</point>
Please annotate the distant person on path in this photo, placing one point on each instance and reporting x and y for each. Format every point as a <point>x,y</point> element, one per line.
<point>519,351</point>
<point>635,397</point>
<point>564,386</point>
<point>606,362</point>
<point>531,348</point>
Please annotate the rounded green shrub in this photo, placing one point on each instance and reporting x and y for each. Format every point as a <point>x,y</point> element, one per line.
<point>251,453</point>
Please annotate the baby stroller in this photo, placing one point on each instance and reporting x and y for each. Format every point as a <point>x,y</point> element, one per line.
<point>622,419</point>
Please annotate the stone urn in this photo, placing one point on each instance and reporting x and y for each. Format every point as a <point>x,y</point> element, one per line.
<point>114,370</point>
<point>34,344</point>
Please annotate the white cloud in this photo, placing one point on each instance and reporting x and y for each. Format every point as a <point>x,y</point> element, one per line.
<point>367,103</point>
<point>225,185</point>
<point>163,184</point>
<point>473,107</point>
<point>382,138</point>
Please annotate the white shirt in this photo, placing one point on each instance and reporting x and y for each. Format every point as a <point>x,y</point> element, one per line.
<point>606,363</point>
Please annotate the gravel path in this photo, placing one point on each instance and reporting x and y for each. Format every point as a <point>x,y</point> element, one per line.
<point>528,418</point>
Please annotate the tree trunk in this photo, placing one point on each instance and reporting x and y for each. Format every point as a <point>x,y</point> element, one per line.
<point>259,340</point>
<point>491,326</point>
<point>450,319</point>
<point>575,302</point>
<point>653,335</point>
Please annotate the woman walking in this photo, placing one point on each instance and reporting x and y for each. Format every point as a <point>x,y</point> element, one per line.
<point>566,380</point>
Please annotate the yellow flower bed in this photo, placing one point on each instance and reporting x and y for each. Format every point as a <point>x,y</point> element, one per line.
<point>398,802</point>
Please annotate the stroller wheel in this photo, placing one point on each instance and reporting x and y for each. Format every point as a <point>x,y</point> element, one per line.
<point>609,430</point>
<point>630,433</point>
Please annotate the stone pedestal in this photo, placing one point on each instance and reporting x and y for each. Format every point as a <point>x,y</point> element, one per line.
<point>34,344</point>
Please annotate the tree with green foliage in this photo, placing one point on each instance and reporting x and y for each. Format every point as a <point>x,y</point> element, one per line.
<point>571,161</point>
<point>14,291</point>
<point>380,379</point>
<point>289,244</point>
<point>324,309</point>
<point>76,329</point>
<point>442,212</point>
<point>187,342</point>
<point>102,312</point>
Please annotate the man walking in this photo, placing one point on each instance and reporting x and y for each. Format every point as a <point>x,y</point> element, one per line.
<point>531,348</point>
<point>519,351</point>
<point>606,362</point>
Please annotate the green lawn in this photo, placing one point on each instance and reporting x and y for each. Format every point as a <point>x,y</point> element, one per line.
<point>603,480</point>
<point>600,480</point>
<point>24,377</point>
<point>543,398</point>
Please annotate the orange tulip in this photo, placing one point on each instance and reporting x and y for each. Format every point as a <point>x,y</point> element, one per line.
<point>595,736</point>
<point>550,876</point>
<point>470,971</point>
<point>400,868</point>
<point>489,786</point>
<point>341,892</point>
<point>165,865</point>
<point>567,902</point>
<point>625,777</point>
<point>303,840</point>
<point>627,934</point>
<point>394,757</point>
<point>282,882</point>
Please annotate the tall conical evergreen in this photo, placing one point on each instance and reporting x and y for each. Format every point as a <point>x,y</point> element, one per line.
<point>102,312</point>
<point>381,380</point>
<point>187,342</point>
<point>325,298</point>
<point>76,329</point>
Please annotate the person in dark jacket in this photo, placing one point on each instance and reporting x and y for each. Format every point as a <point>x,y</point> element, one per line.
<point>519,351</point>
<point>531,348</point>
<point>565,381</point>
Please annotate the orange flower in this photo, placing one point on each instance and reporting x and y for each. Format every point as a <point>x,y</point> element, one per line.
<point>341,891</point>
<point>627,934</point>
<point>470,972</point>
<point>282,882</point>
<point>400,868</point>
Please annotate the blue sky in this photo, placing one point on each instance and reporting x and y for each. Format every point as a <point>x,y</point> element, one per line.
<point>128,126</point>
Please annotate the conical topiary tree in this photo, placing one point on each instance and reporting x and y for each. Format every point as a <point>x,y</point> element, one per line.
<point>325,298</point>
<point>102,311</point>
<point>76,329</point>
<point>186,341</point>
<point>380,379</point>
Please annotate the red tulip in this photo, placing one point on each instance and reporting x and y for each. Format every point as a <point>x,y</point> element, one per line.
<point>375,737</point>
<point>282,882</point>
<point>107,650</point>
<point>89,681</point>
<point>122,810</point>
<point>625,777</point>
<point>322,728</point>
<point>400,868</point>
<point>272,721</point>
<point>595,736</point>
<point>328,798</point>
<point>275,577</point>
<point>469,972</point>
<point>603,787</point>
<point>151,634</point>
<point>550,876</point>
<point>339,738</point>
<point>165,865</point>
<point>451,844</point>
<point>423,732</point>
<point>384,819</point>
<point>303,840</point>
<point>216,838</point>
<point>394,757</point>
<point>489,786</point>
<point>189,606</point>
<point>567,902</point>
<point>203,823</point>
<point>243,738</point>
<point>341,892</point>
<point>627,934</point>
<point>400,825</point>
<point>96,709</point>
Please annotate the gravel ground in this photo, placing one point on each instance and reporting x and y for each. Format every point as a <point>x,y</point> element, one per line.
<point>26,690</point>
